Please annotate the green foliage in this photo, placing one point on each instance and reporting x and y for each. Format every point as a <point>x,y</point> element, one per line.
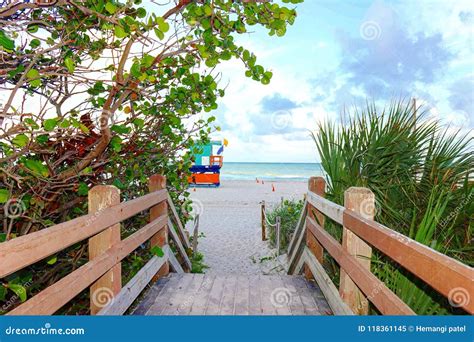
<point>289,212</point>
<point>421,178</point>
<point>197,262</point>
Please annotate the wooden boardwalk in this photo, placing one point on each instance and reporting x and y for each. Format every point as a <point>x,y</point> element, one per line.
<point>200,294</point>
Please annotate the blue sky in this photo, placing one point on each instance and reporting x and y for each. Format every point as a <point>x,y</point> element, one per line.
<point>337,55</point>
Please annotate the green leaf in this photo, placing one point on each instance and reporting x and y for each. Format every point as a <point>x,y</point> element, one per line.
<point>120,32</point>
<point>120,129</point>
<point>141,12</point>
<point>3,292</point>
<point>135,70</point>
<point>158,251</point>
<point>34,76</point>
<point>21,140</point>
<point>37,167</point>
<point>52,260</point>
<point>110,7</point>
<point>159,34</point>
<point>7,43</point>
<point>42,139</point>
<point>116,143</point>
<point>50,124</point>
<point>162,24</point>
<point>35,43</point>
<point>70,65</point>
<point>32,28</point>
<point>139,122</point>
<point>4,195</point>
<point>82,189</point>
<point>19,290</point>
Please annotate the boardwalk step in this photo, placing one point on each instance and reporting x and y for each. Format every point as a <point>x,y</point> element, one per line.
<point>207,294</point>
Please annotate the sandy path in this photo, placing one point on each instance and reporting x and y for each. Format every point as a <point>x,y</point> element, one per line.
<point>230,220</point>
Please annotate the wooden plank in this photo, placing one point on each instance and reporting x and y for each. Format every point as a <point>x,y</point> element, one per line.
<point>328,208</point>
<point>151,294</point>
<point>181,230</point>
<point>48,301</point>
<point>443,273</point>
<point>281,295</point>
<point>181,298</point>
<point>157,183</point>
<point>175,263</point>
<point>215,296</point>
<point>163,299</point>
<point>309,304</point>
<point>262,219</point>
<point>133,288</point>
<point>200,302</point>
<point>228,296</point>
<point>296,305</point>
<point>375,290</point>
<point>28,249</point>
<point>362,201</point>
<point>101,197</point>
<point>330,291</point>
<point>316,185</point>
<point>266,296</point>
<point>179,246</point>
<point>191,294</point>
<point>255,303</point>
<point>319,298</point>
<point>242,293</point>
<point>299,229</point>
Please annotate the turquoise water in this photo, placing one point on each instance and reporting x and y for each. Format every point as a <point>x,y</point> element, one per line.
<point>270,171</point>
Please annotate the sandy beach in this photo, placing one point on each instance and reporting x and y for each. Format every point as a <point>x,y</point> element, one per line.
<point>230,221</point>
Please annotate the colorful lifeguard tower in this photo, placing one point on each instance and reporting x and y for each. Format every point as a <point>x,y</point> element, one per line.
<point>207,164</point>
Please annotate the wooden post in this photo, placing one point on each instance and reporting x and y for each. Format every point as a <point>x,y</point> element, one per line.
<point>362,201</point>
<point>318,186</point>
<point>196,234</point>
<point>262,210</point>
<point>278,232</point>
<point>102,292</point>
<point>155,183</point>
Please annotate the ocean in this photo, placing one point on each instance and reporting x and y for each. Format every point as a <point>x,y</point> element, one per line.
<point>270,171</point>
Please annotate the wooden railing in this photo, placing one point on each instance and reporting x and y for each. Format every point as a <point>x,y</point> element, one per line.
<point>102,273</point>
<point>357,285</point>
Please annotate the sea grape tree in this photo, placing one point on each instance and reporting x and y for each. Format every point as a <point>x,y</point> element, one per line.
<point>110,92</point>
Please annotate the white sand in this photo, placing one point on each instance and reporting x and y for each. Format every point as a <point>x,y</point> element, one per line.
<point>230,220</point>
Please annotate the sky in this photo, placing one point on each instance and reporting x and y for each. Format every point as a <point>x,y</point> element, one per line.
<point>339,54</point>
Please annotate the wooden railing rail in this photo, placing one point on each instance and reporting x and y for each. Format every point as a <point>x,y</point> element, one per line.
<point>102,273</point>
<point>358,285</point>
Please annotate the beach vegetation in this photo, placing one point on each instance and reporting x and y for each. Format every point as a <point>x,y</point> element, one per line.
<point>289,211</point>
<point>421,173</point>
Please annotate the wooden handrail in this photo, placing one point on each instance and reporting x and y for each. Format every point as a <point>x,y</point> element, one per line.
<point>28,249</point>
<point>436,269</point>
<point>378,293</point>
<point>51,299</point>
<point>180,228</point>
<point>106,212</point>
<point>179,245</point>
<point>332,210</point>
<point>439,271</point>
